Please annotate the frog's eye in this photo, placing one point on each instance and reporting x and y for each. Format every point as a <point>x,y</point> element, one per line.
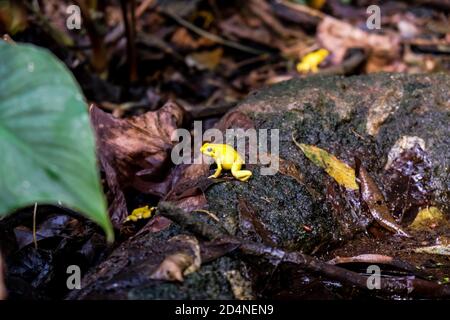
<point>209,149</point>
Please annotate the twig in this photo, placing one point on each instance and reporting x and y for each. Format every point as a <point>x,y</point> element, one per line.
<point>347,67</point>
<point>304,9</point>
<point>99,59</point>
<point>380,259</point>
<point>209,213</point>
<point>201,111</point>
<point>34,226</point>
<point>128,12</point>
<point>142,7</point>
<point>399,285</point>
<point>212,36</point>
<point>118,31</point>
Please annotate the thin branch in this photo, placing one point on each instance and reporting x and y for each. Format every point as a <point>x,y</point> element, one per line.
<point>143,7</point>
<point>304,9</point>
<point>129,18</point>
<point>399,285</point>
<point>212,36</point>
<point>99,59</point>
<point>34,226</point>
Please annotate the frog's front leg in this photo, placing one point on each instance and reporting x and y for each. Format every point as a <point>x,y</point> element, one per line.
<point>242,175</point>
<point>218,170</point>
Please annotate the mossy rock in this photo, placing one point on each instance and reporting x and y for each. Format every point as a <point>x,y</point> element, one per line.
<point>360,116</point>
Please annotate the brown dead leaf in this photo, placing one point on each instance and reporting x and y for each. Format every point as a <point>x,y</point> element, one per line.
<point>338,36</point>
<point>183,40</point>
<point>237,28</point>
<point>205,60</point>
<point>172,268</point>
<point>135,152</point>
<point>179,264</point>
<point>372,196</point>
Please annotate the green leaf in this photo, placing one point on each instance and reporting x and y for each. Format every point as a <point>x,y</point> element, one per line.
<point>47,146</point>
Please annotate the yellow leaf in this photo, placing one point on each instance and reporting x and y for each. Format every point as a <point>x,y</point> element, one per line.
<point>338,170</point>
<point>427,217</point>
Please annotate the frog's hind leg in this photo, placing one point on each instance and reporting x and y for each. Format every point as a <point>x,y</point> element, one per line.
<point>218,171</point>
<point>242,175</point>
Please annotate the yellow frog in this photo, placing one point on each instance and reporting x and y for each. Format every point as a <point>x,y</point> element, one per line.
<point>141,213</point>
<point>226,158</point>
<point>310,62</point>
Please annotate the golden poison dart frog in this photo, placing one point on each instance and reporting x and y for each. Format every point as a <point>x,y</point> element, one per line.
<point>226,158</point>
<point>310,62</point>
<point>141,213</point>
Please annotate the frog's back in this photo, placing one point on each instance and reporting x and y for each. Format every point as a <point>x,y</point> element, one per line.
<point>228,156</point>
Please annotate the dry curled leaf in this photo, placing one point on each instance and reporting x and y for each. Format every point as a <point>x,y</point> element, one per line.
<point>205,60</point>
<point>173,267</point>
<point>338,170</point>
<point>135,152</point>
<point>338,36</point>
<point>179,264</point>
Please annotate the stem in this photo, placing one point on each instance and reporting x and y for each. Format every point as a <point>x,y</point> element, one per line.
<point>129,18</point>
<point>34,226</point>
<point>99,59</point>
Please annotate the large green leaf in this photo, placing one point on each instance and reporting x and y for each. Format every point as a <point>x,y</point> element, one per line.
<point>47,147</point>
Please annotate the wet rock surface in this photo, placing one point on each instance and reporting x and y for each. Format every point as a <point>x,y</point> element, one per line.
<point>360,117</point>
